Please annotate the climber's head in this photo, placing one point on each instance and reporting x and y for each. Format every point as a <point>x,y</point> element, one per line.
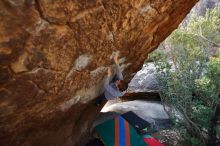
<point>121,85</point>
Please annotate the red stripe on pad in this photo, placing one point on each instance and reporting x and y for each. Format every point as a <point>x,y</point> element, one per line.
<point>127,133</point>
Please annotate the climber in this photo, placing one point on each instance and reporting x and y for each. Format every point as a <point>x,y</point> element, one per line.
<point>114,87</point>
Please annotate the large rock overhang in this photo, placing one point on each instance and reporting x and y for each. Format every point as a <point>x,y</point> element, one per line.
<point>54,54</point>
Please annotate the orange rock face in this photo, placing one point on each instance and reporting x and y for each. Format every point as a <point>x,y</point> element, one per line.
<point>54,54</point>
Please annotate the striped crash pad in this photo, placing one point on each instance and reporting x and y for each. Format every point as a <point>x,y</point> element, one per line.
<point>118,132</point>
<point>134,120</point>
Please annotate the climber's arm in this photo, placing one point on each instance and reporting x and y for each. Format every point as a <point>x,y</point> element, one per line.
<point>119,75</point>
<point>107,79</point>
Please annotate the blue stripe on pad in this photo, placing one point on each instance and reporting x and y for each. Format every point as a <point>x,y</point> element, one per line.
<point>122,131</point>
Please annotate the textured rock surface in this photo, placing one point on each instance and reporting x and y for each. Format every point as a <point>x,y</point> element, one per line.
<point>144,80</point>
<point>54,54</point>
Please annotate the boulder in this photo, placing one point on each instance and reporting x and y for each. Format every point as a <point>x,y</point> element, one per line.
<point>54,54</point>
<point>145,80</point>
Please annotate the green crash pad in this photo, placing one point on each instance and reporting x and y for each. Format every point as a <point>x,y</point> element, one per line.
<point>118,132</point>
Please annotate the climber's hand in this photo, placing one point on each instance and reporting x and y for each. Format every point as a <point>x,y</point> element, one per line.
<point>109,72</point>
<point>116,58</point>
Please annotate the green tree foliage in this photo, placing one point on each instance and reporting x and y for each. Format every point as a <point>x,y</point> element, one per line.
<point>189,77</point>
